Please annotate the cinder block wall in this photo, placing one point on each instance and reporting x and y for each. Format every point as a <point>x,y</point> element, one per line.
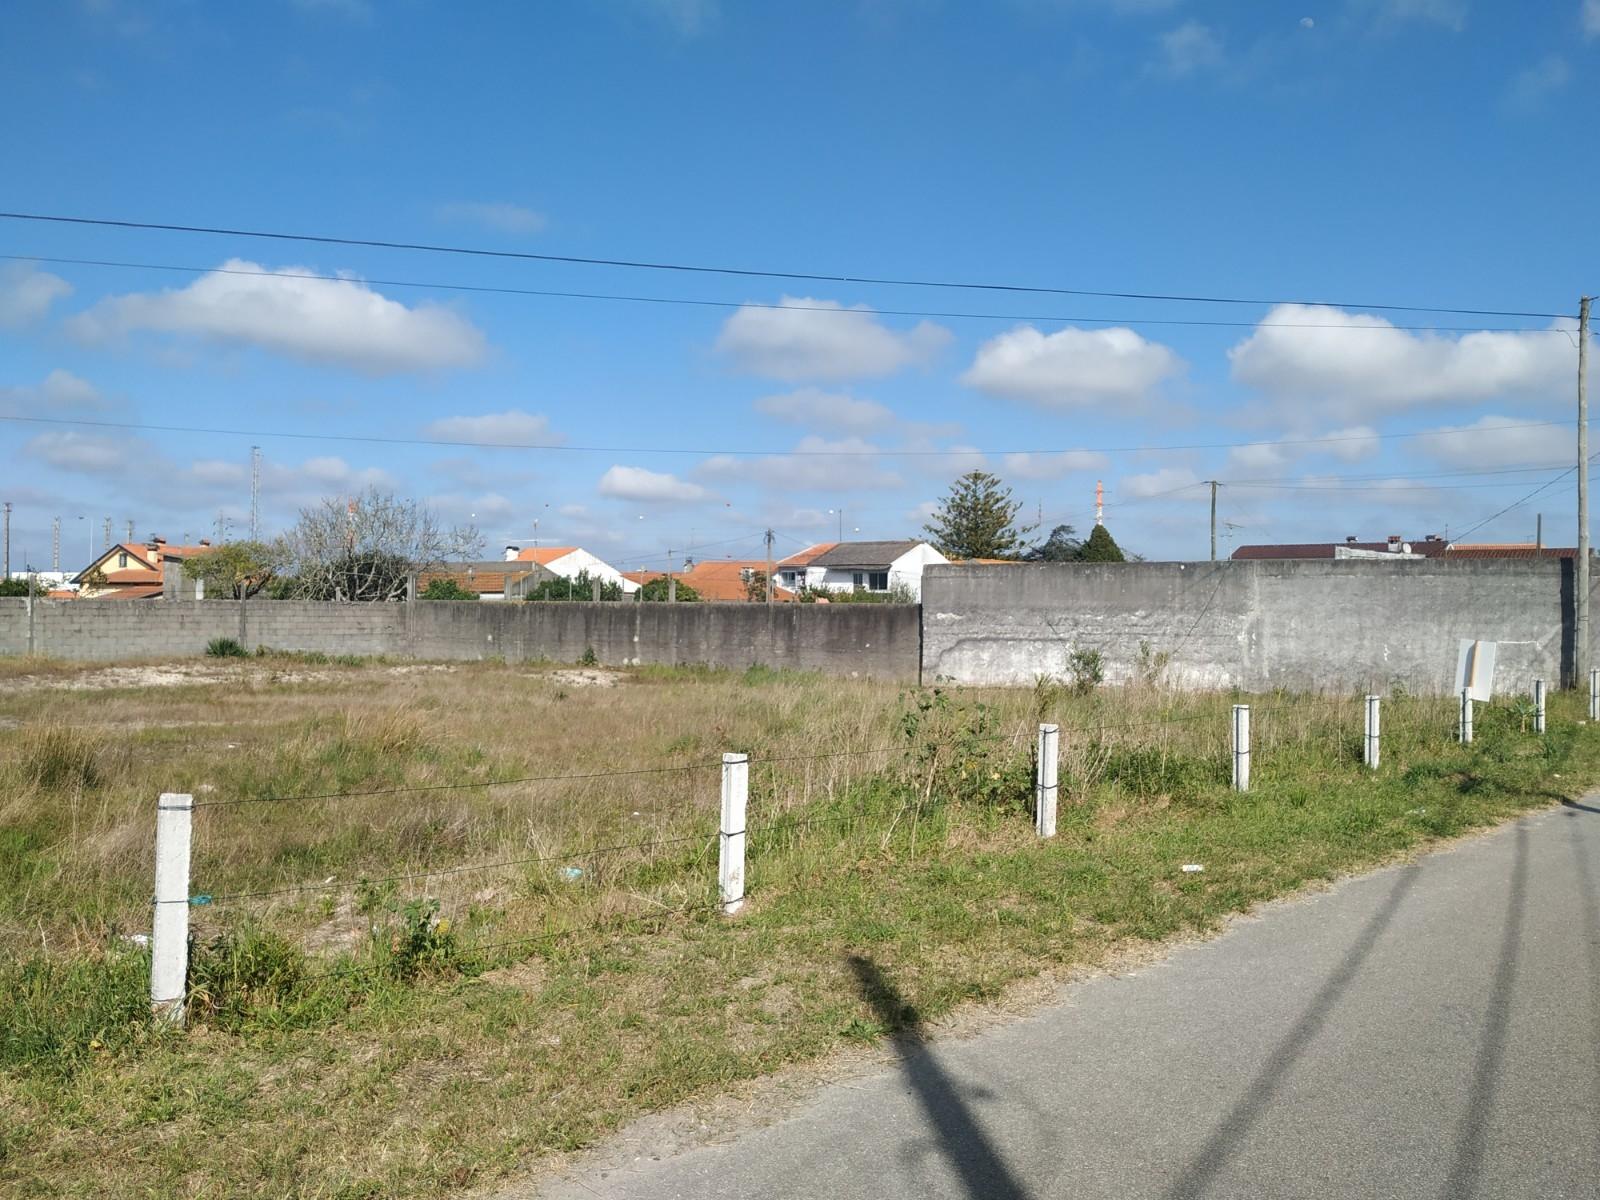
<point>877,641</point>
<point>1326,626</point>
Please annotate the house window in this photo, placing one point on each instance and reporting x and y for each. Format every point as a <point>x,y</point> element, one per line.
<point>788,578</point>
<point>878,581</point>
<point>122,561</point>
<point>859,579</point>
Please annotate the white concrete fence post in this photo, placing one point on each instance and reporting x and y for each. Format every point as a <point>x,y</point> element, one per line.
<point>1241,747</point>
<point>169,930</point>
<point>1538,706</point>
<point>730,861</point>
<point>1372,745</point>
<point>1594,694</point>
<point>1464,723</point>
<point>1046,764</point>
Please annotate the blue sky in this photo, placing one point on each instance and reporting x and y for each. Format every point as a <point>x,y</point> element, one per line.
<point>1358,152</point>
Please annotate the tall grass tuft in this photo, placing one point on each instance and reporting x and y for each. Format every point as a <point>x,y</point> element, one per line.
<point>57,758</point>
<point>57,1013</point>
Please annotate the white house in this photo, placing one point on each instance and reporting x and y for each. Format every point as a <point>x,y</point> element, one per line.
<point>859,566</point>
<point>569,562</point>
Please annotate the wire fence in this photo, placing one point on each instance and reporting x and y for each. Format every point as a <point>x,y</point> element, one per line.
<point>662,871</point>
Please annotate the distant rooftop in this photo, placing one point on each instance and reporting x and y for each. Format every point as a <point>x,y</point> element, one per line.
<point>1431,546</point>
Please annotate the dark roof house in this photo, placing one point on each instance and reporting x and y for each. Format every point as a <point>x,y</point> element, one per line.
<point>1432,546</point>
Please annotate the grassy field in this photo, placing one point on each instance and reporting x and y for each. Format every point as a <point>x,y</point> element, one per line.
<point>412,976</point>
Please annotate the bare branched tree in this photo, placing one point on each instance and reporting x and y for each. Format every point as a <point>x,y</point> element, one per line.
<point>366,548</point>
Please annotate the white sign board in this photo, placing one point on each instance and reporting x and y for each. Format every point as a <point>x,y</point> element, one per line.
<point>1475,668</point>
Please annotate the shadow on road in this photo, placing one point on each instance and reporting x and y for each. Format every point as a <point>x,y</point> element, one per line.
<point>962,1142</point>
<point>1590,901</point>
<point>1467,1165</point>
<point>1228,1139</point>
<point>1588,808</point>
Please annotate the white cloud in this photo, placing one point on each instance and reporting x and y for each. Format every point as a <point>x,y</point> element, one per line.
<point>1259,456</point>
<point>86,453</point>
<point>302,483</point>
<point>1495,441</point>
<point>833,412</point>
<point>687,18</point>
<point>842,465</point>
<point>1156,483</point>
<point>332,321</point>
<point>1589,18</point>
<point>1352,444</point>
<point>1073,368</point>
<point>1379,368</point>
<point>1346,445</point>
<point>1189,48</point>
<point>60,393</point>
<point>1531,87</point>
<point>26,293</point>
<point>636,483</point>
<point>805,338</point>
<point>1452,14</point>
<point>503,218</point>
<point>512,427</point>
<point>460,509</point>
<point>1052,466</point>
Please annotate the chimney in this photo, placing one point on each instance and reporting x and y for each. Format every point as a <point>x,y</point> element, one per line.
<point>1350,540</point>
<point>205,541</point>
<point>512,552</point>
<point>1394,543</point>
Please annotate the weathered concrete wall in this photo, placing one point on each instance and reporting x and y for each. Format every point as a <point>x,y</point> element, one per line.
<point>878,640</point>
<point>1334,626</point>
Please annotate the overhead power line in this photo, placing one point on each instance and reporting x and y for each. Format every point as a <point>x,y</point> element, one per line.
<point>376,439</point>
<point>741,272</point>
<point>687,302</point>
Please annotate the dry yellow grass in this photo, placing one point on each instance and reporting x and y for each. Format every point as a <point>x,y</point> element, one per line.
<point>556,1009</point>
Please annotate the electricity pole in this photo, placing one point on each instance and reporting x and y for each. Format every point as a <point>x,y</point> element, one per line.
<point>55,544</point>
<point>1213,484</point>
<point>7,575</point>
<point>255,493</point>
<point>768,564</point>
<point>1582,621</point>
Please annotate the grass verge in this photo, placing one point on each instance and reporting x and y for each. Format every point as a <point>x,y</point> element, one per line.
<point>375,1036</point>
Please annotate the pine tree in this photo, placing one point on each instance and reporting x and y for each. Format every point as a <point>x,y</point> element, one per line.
<point>1101,547</point>
<point>976,520</point>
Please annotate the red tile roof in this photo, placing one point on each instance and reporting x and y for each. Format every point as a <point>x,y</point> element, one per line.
<point>544,555</point>
<point>805,557</point>
<point>715,579</point>
<point>1528,551</point>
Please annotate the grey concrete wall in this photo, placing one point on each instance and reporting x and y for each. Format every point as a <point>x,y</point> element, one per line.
<point>1330,626</point>
<point>868,640</point>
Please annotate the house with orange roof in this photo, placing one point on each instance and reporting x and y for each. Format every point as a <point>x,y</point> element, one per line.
<point>723,579</point>
<point>569,562</point>
<point>488,580</point>
<point>132,570</point>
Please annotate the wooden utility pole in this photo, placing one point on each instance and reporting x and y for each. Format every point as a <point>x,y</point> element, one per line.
<point>1582,622</point>
<point>1213,520</point>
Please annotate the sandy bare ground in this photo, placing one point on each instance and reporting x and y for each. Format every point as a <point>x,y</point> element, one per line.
<point>192,674</point>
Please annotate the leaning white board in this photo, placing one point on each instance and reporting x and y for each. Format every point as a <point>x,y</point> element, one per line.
<point>1475,668</point>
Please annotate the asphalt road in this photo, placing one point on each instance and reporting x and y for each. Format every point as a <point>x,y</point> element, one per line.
<point>1430,1030</point>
